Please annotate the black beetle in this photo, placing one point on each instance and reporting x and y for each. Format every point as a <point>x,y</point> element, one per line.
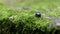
<point>37,14</point>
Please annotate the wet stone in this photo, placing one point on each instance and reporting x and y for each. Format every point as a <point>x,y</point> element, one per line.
<point>47,16</point>
<point>58,18</point>
<point>10,18</point>
<point>26,7</point>
<point>53,22</point>
<point>57,23</point>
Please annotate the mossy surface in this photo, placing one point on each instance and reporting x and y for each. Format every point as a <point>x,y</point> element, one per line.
<point>25,19</point>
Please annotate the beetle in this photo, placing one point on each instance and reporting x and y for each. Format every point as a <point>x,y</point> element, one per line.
<point>37,14</point>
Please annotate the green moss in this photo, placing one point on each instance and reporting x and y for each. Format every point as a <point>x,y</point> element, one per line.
<point>28,16</point>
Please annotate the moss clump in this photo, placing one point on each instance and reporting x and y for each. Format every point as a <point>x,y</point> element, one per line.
<point>23,21</point>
